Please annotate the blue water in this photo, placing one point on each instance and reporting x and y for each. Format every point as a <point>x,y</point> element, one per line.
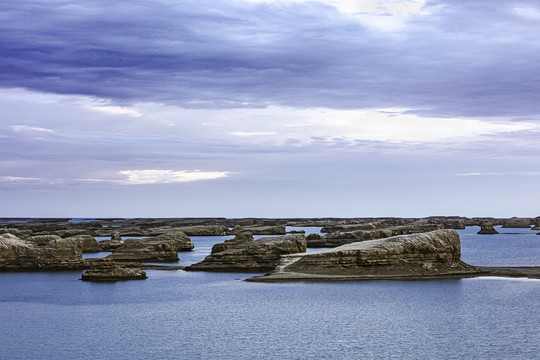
<point>197,315</point>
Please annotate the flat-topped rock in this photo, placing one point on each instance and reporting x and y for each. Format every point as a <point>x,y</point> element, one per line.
<point>258,255</point>
<point>431,254</point>
<point>53,253</point>
<point>109,270</point>
<point>342,238</point>
<point>516,222</point>
<point>145,250</point>
<point>197,230</point>
<point>260,230</point>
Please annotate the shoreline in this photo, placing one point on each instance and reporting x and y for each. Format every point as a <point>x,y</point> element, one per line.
<point>530,272</point>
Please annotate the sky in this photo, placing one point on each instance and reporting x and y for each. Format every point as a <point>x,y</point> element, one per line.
<point>269,108</point>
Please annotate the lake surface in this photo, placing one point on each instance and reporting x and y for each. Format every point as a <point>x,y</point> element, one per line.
<point>197,315</point>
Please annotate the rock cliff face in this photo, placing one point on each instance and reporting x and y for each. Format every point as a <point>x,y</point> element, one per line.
<point>109,270</point>
<point>178,239</point>
<point>342,238</point>
<point>435,253</point>
<point>198,230</point>
<point>518,223</point>
<point>260,230</point>
<point>88,243</point>
<point>242,237</point>
<point>161,248</point>
<point>258,255</point>
<point>487,229</point>
<point>145,250</point>
<point>42,254</point>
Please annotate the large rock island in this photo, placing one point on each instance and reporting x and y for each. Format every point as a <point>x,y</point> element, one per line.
<point>435,254</point>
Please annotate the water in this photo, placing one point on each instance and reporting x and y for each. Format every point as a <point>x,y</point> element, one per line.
<point>186,315</point>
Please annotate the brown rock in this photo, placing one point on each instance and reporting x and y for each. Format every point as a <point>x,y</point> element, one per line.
<point>258,255</point>
<point>109,270</point>
<point>54,254</point>
<point>242,237</point>
<point>487,229</point>
<point>435,253</point>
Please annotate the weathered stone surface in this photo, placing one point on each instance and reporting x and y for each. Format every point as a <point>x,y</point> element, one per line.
<point>88,243</point>
<point>258,255</point>
<point>260,230</point>
<point>178,239</point>
<point>109,270</point>
<point>342,238</point>
<point>349,227</point>
<point>72,232</point>
<point>146,250</point>
<point>198,230</point>
<point>516,222</point>
<point>16,232</point>
<point>435,253</point>
<point>487,229</point>
<point>242,237</point>
<point>42,239</point>
<point>54,254</point>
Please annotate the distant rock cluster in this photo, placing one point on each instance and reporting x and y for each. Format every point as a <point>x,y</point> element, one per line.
<point>360,247</point>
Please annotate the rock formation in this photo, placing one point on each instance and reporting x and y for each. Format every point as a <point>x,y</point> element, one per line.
<point>145,250</point>
<point>109,270</point>
<point>487,228</point>
<point>258,255</point>
<point>342,238</point>
<point>431,254</point>
<point>42,254</point>
<point>516,222</point>
<point>178,239</point>
<point>88,243</point>
<point>260,230</point>
<point>198,230</point>
<point>242,237</point>
<point>113,244</point>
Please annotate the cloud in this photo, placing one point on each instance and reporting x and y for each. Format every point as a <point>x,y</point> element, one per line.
<point>117,110</point>
<point>30,128</point>
<point>138,177</point>
<point>252,133</point>
<point>446,58</point>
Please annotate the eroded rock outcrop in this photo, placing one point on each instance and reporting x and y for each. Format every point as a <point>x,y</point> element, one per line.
<point>260,230</point>
<point>242,237</point>
<point>88,243</point>
<point>53,253</point>
<point>178,239</point>
<point>145,250</point>
<point>113,244</point>
<point>516,222</point>
<point>431,254</point>
<point>109,270</point>
<point>258,255</point>
<point>342,238</point>
<point>487,229</point>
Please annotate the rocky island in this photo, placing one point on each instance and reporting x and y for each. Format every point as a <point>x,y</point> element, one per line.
<point>359,248</point>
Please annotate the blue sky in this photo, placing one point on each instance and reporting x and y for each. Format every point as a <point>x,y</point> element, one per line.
<point>288,108</point>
